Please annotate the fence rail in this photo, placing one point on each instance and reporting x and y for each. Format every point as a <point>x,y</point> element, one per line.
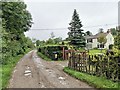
<point>99,65</point>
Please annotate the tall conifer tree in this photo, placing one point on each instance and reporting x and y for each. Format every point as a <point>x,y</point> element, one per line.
<point>76,34</point>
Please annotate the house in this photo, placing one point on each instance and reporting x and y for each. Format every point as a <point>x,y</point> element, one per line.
<point>92,42</point>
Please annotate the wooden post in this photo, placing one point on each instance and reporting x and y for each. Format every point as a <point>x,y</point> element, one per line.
<point>89,64</point>
<point>63,53</point>
<point>79,62</point>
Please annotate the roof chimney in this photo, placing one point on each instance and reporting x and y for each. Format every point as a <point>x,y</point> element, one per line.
<point>108,31</point>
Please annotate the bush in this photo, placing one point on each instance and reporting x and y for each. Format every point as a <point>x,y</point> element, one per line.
<point>95,48</point>
<point>111,46</point>
<point>50,50</point>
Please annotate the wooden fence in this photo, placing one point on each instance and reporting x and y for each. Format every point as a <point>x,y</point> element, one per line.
<point>99,65</point>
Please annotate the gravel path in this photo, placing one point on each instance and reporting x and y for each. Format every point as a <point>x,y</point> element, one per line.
<point>33,72</point>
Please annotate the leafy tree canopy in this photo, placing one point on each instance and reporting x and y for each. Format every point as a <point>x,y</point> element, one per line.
<point>15,21</point>
<point>17,18</point>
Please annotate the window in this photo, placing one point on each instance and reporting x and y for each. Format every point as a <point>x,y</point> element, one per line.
<point>100,45</point>
<point>89,40</point>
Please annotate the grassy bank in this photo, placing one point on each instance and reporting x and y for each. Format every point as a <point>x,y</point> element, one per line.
<point>46,58</point>
<point>98,82</point>
<point>43,56</point>
<point>7,69</point>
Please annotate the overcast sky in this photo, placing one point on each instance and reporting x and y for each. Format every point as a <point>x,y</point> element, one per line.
<point>58,14</point>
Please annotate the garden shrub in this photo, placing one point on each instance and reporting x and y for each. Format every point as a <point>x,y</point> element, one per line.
<point>49,51</point>
<point>111,46</point>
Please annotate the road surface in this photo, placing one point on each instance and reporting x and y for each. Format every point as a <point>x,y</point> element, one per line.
<point>33,72</point>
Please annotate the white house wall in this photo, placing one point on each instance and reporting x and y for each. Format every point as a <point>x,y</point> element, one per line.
<point>110,40</point>
<point>94,44</point>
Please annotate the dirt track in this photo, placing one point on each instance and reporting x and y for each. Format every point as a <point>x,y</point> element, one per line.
<point>33,72</point>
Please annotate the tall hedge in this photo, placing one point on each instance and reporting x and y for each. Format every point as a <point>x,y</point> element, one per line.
<point>50,50</point>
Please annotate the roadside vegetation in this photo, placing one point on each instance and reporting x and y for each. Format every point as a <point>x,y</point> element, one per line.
<point>15,21</point>
<point>97,82</point>
<point>7,69</point>
<point>43,56</point>
<point>76,43</point>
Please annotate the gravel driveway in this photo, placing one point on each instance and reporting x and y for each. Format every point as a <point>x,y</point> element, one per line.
<point>34,72</point>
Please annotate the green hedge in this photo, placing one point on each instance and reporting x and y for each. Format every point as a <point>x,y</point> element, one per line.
<point>49,51</point>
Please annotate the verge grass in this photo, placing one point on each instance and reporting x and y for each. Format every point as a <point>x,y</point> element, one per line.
<point>97,82</point>
<point>44,57</point>
<point>7,69</point>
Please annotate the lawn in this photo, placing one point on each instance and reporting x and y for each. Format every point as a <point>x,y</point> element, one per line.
<point>97,82</point>
<point>96,51</point>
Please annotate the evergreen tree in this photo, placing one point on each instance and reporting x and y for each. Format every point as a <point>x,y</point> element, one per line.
<point>117,39</point>
<point>88,33</point>
<point>113,31</point>
<point>76,34</point>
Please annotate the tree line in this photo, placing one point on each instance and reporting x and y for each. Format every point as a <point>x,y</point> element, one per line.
<point>76,35</point>
<point>15,21</point>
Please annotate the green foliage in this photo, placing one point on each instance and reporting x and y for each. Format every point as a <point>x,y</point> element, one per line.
<point>38,42</point>
<point>88,33</point>
<point>111,46</point>
<point>57,40</point>
<point>102,39</point>
<point>8,68</point>
<point>113,31</point>
<point>15,21</point>
<point>43,56</point>
<point>50,41</point>
<point>117,40</point>
<point>76,34</point>
<point>49,51</point>
<point>17,18</point>
<point>105,65</point>
<point>98,82</point>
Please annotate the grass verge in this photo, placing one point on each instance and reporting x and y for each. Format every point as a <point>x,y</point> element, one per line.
<point>7,69</point>
<point>97,82</point>
<point>46,58</point>
<point>43,56</point>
